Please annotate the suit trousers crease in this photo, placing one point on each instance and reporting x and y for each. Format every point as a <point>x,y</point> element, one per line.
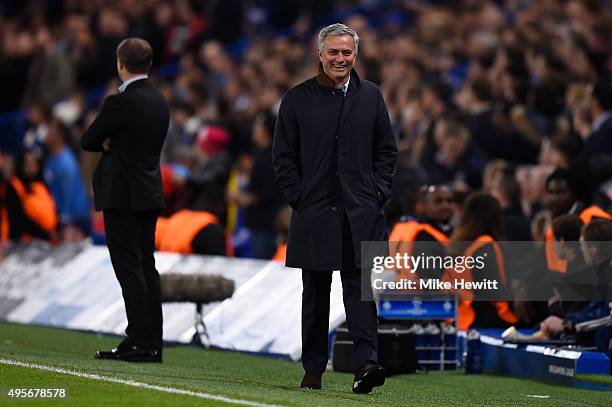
<point>361,316</point>
<point>130,238</point>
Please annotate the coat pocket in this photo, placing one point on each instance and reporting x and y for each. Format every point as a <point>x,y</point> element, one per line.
<point>373,188</point>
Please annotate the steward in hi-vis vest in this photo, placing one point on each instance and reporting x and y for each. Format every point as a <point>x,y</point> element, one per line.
<point>486,314</point>
<point>429,233</point>
<point>564,196</point>
<point>191,232</point>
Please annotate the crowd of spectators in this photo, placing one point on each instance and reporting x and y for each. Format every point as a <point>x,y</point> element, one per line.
<point>486,96</point>
<point>506,102</point>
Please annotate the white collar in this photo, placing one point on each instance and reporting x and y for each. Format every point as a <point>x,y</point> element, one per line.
<point>125,84</point>
<point>345,86</point>
<point>600,120</point>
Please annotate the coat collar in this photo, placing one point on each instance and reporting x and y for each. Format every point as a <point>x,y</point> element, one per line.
<point>133,83</point>
<point>326,82</point>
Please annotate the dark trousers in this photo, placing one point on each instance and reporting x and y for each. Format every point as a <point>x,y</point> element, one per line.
<point>130,237</point>
<point>361,316</point>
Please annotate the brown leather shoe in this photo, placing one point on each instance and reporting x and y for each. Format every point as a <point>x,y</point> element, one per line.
<point>311,381</point>
<point>370,375</point>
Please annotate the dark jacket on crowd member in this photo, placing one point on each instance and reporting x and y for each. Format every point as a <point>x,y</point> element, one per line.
<point>207,183</point>
<point>600,140</point>
<point>333,154</point>
<point>262,214</point>
<point>516,225</point>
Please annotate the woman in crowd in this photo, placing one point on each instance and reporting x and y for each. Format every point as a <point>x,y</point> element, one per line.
<point>477,236</point>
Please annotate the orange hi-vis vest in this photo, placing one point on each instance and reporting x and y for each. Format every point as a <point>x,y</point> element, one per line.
<point>466,315</point>
<point>402,240</point>
<point>553,261</point>
<point>281,253</point>
<point>176,233</point>
<point>38,204</point>
<point>402,230</point>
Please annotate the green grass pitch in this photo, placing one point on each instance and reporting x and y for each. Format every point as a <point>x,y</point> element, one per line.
<point>243,377</point>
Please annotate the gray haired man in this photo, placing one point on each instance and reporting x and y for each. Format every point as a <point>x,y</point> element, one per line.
<point>333,155</point>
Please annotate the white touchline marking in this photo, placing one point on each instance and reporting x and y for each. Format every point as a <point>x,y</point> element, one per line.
<point>536,396</point>
<point>134,383</point>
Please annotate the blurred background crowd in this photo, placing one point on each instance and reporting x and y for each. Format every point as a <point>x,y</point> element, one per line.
<point>484,96</point>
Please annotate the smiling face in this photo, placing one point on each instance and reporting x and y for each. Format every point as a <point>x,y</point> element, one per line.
<point>338,56</point>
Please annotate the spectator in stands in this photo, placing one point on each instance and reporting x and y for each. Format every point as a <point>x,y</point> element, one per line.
<point>437,208</point>
<point>476,99</point>
<point>36,201</point>
<point>525,271</point>
<point>16,49</point>
<point>559,151</point>
<point>566,233</point>
<point>19,216</point>
<point>211,171</point>
<point>493,171</point>
<point>179,138</point>
<point>185,31</point>
<point>435,101</point>
<point>39,116</point>
<point>62,175</point>
<point>479,229</point>
<point>506,189</point>
<point>455,158</point>
<point>83,51</point>
<point>539,225</point>
<point>597,150</point>
<point>191,231</point>
<point>111,25</point>
<point>566,193</point>
<point>51,73</point>
<point>263,198</point>
<point>599,141</point>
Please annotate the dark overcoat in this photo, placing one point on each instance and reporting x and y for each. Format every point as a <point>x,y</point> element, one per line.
<point>333,154</point>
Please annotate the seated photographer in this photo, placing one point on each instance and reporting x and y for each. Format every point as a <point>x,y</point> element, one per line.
<point>595,237</point>
<point>566,234</point>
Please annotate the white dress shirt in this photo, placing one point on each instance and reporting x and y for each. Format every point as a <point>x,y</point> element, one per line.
<point>345,86</point>
<point>125,84</point>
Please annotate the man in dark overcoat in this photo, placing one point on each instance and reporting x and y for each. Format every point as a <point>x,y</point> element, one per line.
<point>333,156</point>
